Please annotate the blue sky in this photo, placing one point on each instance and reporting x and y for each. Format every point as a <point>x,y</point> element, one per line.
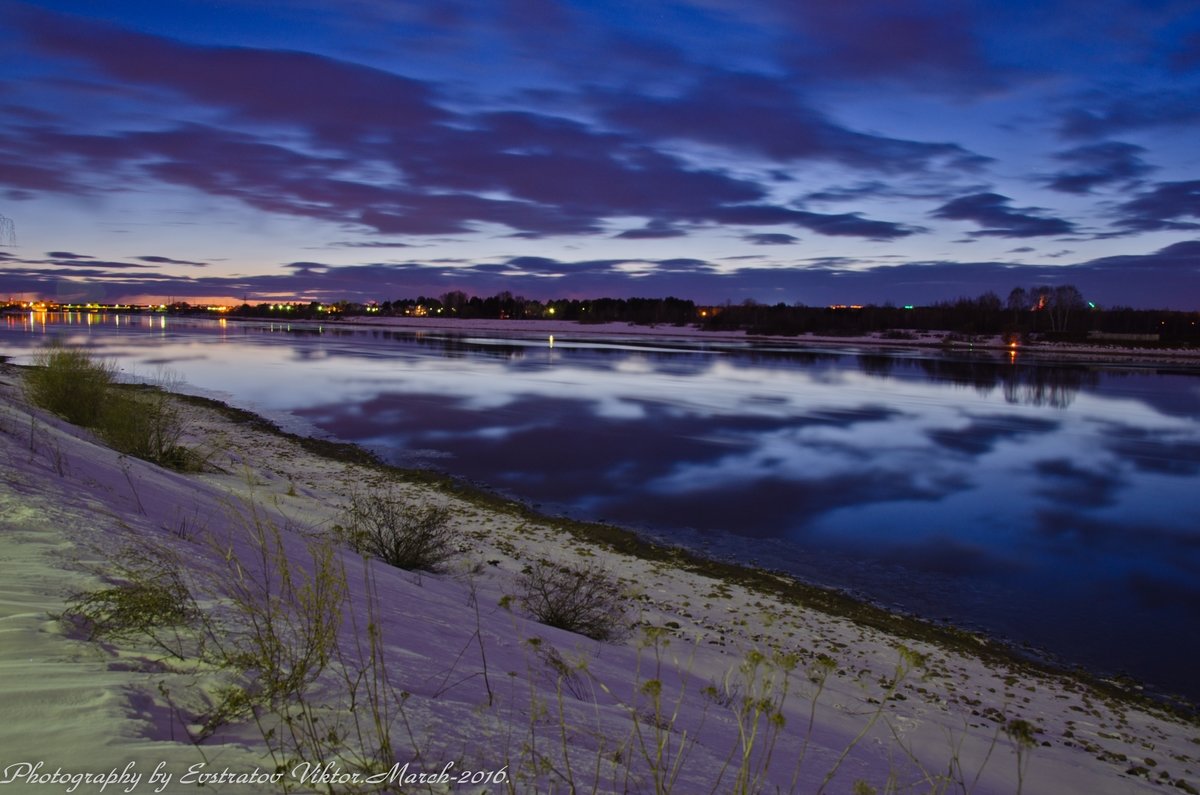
<point>779,150</point>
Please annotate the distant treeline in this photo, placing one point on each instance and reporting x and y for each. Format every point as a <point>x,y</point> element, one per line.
<point>1049,312</point>
<point>1052,313</point>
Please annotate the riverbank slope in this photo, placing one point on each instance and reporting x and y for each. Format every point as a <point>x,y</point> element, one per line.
<point>711,679</point>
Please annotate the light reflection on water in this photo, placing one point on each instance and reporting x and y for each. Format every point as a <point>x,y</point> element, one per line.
<point>1054,504</point>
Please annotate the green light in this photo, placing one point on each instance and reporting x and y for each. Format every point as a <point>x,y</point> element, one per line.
<point>1093,306</point>
<point>908,306</point>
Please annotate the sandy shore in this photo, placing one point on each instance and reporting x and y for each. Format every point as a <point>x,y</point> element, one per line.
<point>694,694</point>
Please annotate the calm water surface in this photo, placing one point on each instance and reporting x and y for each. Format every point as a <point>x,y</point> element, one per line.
<point>1056,505</point>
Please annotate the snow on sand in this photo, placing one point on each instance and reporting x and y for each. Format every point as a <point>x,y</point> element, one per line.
<point>693,696</point>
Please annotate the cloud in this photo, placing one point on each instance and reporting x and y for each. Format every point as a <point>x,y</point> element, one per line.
<point>1097,165</point>
<point>985,432</point>
<point>770,239</point>
<point>1155,452</point>
<point>168,261</point>
<point>1160,207</point>
<point>754,114</point>
<point>313,136</point>
<point>371,244</point>
<point>991,210</point>
<point>923,44</point>
<point>437,173</point>
<point>542,176</point>
<point>844,224</point>
<point>655,230</point>
<point>1126,280</point>
<point>1064,482</point>
<point>332,99</point>
<point>1104,114</point>
<point>1187,57</point>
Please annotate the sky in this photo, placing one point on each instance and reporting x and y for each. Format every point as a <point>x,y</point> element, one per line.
<point>719,150</point>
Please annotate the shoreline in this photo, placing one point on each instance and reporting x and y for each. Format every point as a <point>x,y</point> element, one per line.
<point>830,600</point>
<point>1085,733</point>
<point>941,341</point>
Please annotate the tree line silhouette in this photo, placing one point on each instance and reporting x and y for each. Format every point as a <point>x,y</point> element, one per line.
<point>1054,313</point>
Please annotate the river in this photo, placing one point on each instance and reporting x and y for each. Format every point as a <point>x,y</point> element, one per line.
<point>1053,504</point>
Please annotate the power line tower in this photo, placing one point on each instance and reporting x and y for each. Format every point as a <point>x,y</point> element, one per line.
<point>8,231</point>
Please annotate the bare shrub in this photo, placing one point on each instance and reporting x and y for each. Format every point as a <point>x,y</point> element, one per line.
<point>582,599</point>
<point>399,532</point>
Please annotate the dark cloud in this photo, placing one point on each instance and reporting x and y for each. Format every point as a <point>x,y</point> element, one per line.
<point>553,267</point>
<point>25,180</point>
<point>439,171</point>
<point>655,230</point>
<point>1065,482</point>
<point>66,262</point>
<point>771,239</point>
<point>370,244</point>
<point>752,113</point>
<point>1106,114</point>
<point>168,261</point>
<point>1096,165</point>
<point>844,193</point>
<point>1187,57</point>
<point>308,268</point>
<point>1182,256</point>
<point>983,433</point>
<point>1172,271</point>
<point>332,99</point>
<point>1154,452</point>
<point>558,177</point>
<point>991,210</point>
<point>932,189</point>
<point>924,43</point>
<point>844,224</point>
<point>1160,207</point>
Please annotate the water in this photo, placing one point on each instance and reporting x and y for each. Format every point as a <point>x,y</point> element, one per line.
<point>1051,504</point>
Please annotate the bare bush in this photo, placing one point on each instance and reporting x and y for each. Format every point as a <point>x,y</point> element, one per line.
<point>399,532</point>
<point>582,599</point>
